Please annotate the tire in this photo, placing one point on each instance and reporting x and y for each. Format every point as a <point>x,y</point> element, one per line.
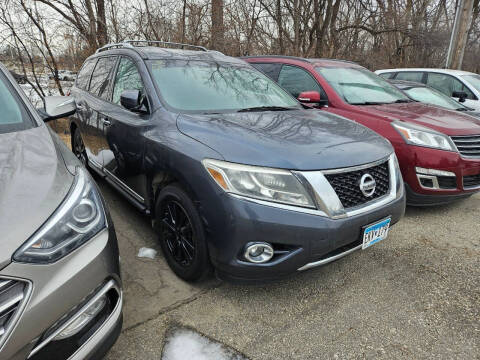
<point>78,148</point>
<point>181,236</point>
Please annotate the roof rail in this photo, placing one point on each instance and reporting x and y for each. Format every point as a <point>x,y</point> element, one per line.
<point>169,43</point>
<point>136,43</point>
<point>115,45</point>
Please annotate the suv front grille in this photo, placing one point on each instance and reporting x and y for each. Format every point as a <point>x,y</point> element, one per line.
<point>468,145</point>
<point>12,292</point>
<point>347,184</point>
<point>471,181</point>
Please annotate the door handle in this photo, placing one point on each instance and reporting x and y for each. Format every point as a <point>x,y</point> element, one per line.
<point>106,122</point>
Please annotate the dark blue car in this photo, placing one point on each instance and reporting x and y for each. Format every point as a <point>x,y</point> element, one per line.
<point>235,173</point>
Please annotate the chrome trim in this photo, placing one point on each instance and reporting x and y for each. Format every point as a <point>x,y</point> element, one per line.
<point>327,200</point>
<point>324,195</point>
<point>329,259</point>
<point>95,163</point>
<point>108,286</point>
<point>4,284</point>
<point>123,185</point>
<point>27,291</point>
<point>476,187</point>
<point>356,168</point>
<point>464,143</point>
<point>17,299</point>
<point>434,179</point>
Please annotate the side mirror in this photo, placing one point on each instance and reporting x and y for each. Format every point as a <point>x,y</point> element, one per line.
<point>460,95</point>
<point>57,107</point>
<point>312,97</point>
<point>133,100</point>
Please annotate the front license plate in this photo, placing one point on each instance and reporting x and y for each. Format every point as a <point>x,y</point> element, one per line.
<point>375,232</point>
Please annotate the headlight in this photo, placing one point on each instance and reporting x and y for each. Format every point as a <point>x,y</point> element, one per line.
<point>78,219</point>
<point>276,185</point>
<point>417,135</point>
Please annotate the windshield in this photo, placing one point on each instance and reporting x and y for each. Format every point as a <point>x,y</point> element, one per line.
<point>14,116</point>
<point>433,97</point>
<point>359,86</point>
<point>207,86</point>
<point>473,80</point>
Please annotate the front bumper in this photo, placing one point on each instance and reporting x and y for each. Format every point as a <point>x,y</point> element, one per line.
<point>413,157</point>
<point>304,238</point>
<point>58,292</point>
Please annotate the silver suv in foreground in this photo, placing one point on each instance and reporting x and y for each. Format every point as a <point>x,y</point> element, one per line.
<point>60,286</point>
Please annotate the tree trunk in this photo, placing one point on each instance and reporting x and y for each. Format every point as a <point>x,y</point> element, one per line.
<point>217,36</point>
<point>281,47</point>
<point>459,37</point>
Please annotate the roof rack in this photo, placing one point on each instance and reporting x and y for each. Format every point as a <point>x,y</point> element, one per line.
<point>130,44</point>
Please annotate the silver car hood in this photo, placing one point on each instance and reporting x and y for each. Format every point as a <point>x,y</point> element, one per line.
<point>33,183</point>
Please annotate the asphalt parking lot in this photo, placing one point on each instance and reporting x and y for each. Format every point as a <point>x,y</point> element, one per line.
<point>414,295</point>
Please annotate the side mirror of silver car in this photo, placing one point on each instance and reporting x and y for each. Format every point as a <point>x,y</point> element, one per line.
<point>57,107</point>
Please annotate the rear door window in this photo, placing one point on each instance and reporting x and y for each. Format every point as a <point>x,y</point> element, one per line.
<point>271,70</point>
<point>410,76</point>
<point>127,78</point>
<point>102,77</point>
<point>447,84</point>
<point>83,77</point>
<point>388,75</point>
<point>296,80</point>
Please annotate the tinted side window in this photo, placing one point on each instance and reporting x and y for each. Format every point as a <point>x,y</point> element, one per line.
<point>410,76</point>
<point>387,75</point>
<point>127,78</point>
<point>447,84</point>
<point>15,116</point>
<point>83,77</point>
<point>271,70</point>
<point>101,77</point>
<point>296,80</point>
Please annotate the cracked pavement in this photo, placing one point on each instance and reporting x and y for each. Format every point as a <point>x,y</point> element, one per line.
<point>414,295</point>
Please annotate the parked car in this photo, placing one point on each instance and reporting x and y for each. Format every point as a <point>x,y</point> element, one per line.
<point>19,78</point>
<point>462,85</point>
<point>428,95</point>
<point>64,75</point>
<point>232,169</point>
<point>60,286</point>
<point>438,150</point>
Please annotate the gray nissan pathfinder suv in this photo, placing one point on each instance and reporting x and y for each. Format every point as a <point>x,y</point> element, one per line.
<point>233,170</point>
<point>60,287</point>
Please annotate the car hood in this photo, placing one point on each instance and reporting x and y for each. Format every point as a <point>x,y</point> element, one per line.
<point>448,122</point>
<point>33,183</point>
<point>296,139</point>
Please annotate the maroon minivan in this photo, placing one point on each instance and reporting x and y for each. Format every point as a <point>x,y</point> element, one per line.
<point>438,149</point>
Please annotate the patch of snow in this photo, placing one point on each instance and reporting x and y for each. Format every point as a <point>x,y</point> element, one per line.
<point>147,253</point>
<point>185,344</point>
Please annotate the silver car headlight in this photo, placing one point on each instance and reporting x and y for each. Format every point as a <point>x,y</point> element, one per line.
<point>418,135</point>
<point>275,185</point>
<point>80,217</point>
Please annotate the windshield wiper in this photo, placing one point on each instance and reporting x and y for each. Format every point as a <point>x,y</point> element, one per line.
<point>265,108</point>
<point>403,101</point>
<point>370,103</point>
<point>462,109</point>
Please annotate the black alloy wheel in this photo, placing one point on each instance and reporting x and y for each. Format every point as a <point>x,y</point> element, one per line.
<point>181,234</point>
<point>177,232</point>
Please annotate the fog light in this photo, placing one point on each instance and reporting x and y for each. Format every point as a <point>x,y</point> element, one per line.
<point>258,252</point>
<point>81,321</point>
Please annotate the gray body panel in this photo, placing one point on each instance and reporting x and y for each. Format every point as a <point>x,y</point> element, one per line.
<point>33,183</point>
<point>297,139</point>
